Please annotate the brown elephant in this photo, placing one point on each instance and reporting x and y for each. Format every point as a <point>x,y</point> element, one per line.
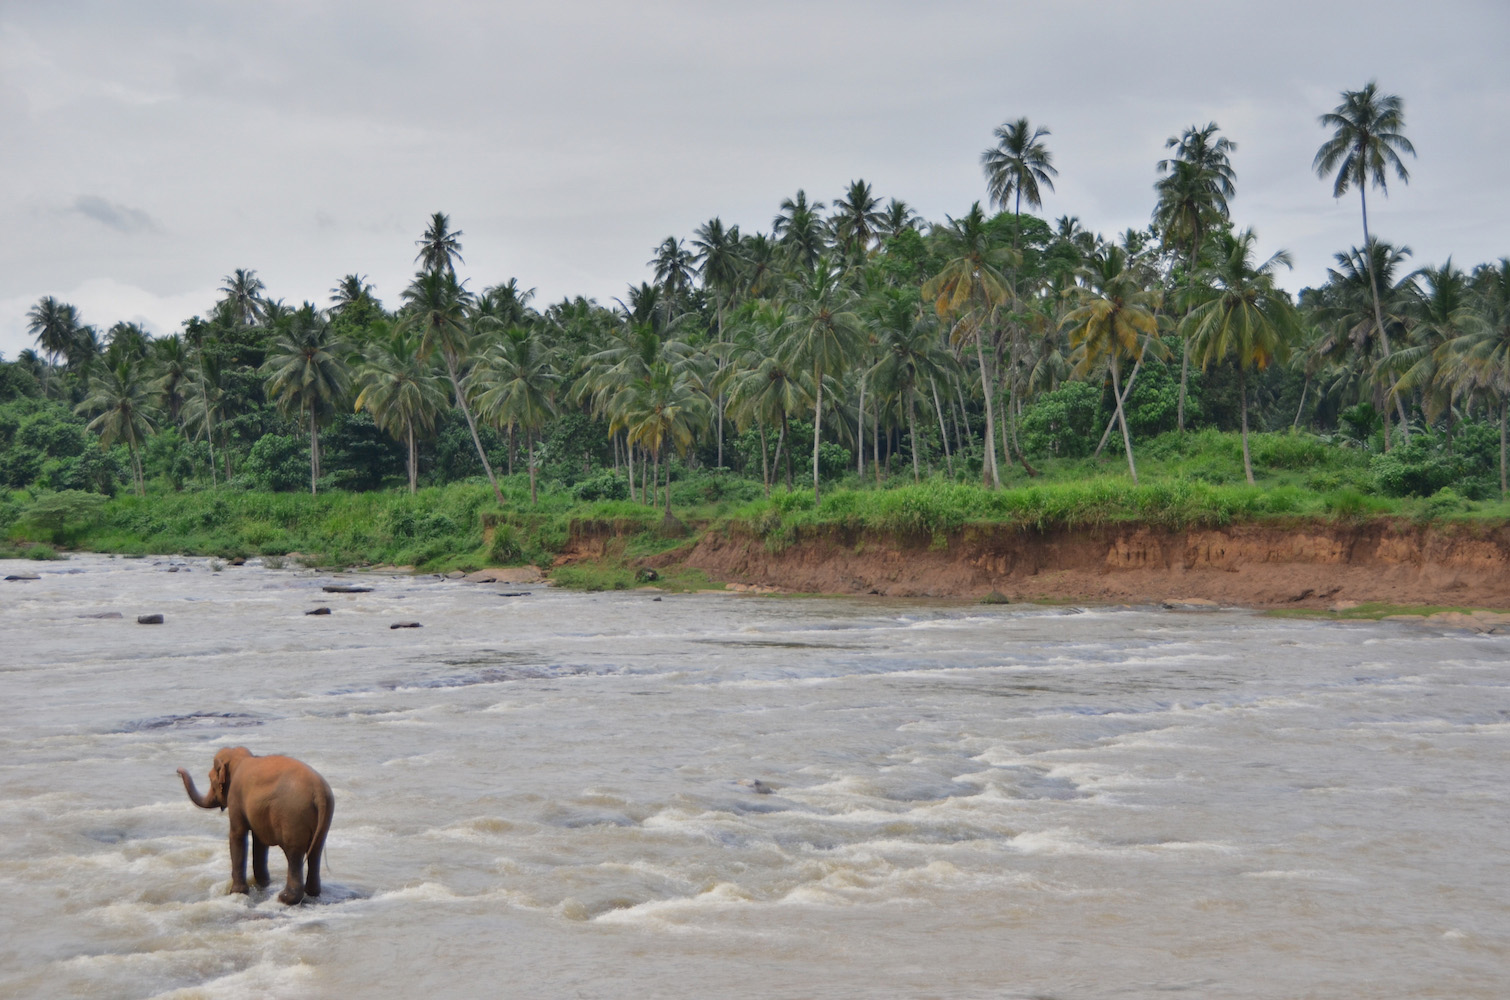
<point>281,802</point>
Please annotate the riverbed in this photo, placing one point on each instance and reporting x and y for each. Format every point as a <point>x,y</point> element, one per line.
<point>627,794</point>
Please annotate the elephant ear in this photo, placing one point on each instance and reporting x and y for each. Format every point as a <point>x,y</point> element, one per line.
<point>220,781</point>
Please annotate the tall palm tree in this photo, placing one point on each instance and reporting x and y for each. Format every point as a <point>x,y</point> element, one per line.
<point>439,248</point>
<point>402,391</point>
<point>674,268</point>
<point>857,219</point>
<point>666,408</point>
<point>243,296</point>
<point>307,374</point>
<point>1246,316</point>
<point>1367,140</point>
<point>763,388</point>
<point>1192,199</point>
<point>121,400</point>
<point>437,309</point>
<point>54,325</point>
<point>170,361</point>
<point>514,384</point>
<point>824,334</point>
<point>896,218</point>
<point>969,289</point>
<point>799,228</point>
<point>1115,320</point>
<point>349,291</point>
<point>718,261</point>
<point>910,356</point>
<point>1479,359</point>
<point>1441,311</point>
<point>1016,167</point>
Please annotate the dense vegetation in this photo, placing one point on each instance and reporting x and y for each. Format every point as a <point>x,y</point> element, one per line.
<point>852,351</point>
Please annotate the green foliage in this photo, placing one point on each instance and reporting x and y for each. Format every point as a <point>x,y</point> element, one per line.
<point>1063,423</point>
<point>63,515</point>
<point>1416,469</point>
<point>605,485</point>
<point>278,462</point>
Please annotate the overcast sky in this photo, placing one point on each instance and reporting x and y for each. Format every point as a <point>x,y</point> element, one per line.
<point>150,148</point>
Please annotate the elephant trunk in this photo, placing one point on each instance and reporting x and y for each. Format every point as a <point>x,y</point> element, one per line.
<point>201,801</point>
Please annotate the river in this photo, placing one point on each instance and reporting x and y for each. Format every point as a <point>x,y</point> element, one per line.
<point>612,795</point>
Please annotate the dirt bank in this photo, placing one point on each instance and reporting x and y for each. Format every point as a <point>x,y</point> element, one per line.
<point>1310,564</point>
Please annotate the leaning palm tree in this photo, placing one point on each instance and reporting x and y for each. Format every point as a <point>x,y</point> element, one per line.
<point>968,290</point>
<point>439,248</point>
<point>1116,320</point>
<point>1367,141</point>
<point>307,374</point>
<point>437,309</point>
<point>1192,200</point>
<point>121,401</point>
<point>513,385</point>
<point>403,392</point>
<point>1016,167</point>
<point>824,334</point>
<point>1246,316</point>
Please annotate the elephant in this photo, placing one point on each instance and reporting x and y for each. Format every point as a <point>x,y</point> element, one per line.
<point>281,802</point>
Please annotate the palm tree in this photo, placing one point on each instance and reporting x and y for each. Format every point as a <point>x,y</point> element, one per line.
<point>668,407</point>
<point>349,291</point>
<point>857,220</point>
<point>243,296</point>
<point>1441,311</point>
<point>824,334</point>
<point>122,401</point>
<point>718,262</point>
<point>896,218</point>
<point>673,265</point>
<point>307,373</point>
<point>799,229</point>
<point>1246,316</point>
<point>1367,140</point>
<point>437,308</point>
<point>969,289</point>
<point>514,385</point>
<point>763,388</point>
<point>439,248</point>
<point>402,391</point>
<point>170,360</point>
<point>911,356</point>
<point>1016,166</point>
<point>54,325</point>
<point>1115,320</point>
<point>1193,195</point>
<point>1479,359</point>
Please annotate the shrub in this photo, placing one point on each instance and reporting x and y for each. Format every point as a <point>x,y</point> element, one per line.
<point>1063,423</point>
<point>604,485</point>
<point>278,462</point>
<point>63,514</point>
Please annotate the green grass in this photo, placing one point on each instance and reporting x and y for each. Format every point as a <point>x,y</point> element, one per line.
<point>1373,611</point>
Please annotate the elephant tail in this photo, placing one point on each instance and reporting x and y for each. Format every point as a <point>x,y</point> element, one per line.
<point>324,809</point>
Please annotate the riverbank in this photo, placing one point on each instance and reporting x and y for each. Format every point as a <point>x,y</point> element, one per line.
<point>1313,564</point>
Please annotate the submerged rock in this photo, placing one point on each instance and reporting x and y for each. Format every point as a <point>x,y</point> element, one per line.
<point>23,577</point>
<point>405,625</point>
<point>103,614</point>
<point>1188,604</point>
<point>343,588</point>
<point>318,611</point>
<point>149,619</point>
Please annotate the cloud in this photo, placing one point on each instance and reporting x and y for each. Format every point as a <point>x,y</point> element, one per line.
<point>121,218</point>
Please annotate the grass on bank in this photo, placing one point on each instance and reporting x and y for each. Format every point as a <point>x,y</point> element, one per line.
<point>1190,481</point>
<point>1373,611</point>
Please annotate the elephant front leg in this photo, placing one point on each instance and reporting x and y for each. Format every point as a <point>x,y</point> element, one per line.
<point>293,892</point>
<point>238,861</point>
<point>259,863</point>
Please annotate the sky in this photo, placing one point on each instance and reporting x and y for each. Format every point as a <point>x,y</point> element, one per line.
<point>151,148</point>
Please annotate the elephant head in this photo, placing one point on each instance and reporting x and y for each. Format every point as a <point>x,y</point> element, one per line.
<point>220,779</point>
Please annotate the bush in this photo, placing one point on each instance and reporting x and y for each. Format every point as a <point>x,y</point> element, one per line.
<point>1414,470</point>
<point>604,485</point>
<point>1063,423</point>
<point>63,514</point>
<point>278,462</point>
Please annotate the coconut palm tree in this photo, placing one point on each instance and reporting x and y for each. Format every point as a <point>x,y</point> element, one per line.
<point>1367,140</point>
<point>120,400</point>
<point>824,334</point>
<point>54,325</point>
<point>243,296</point>
<point>439,247</point>
<point>968,290</point>
<point>857,220</point>
<point>1017,167</point>
<point>348,292</point>
<point>1115,320</point>
<point>911,356</point>
<point>1192,200</point>
<point>1441,311</point>
<point>436,305</point>
<point>1245,316</point>
<point>513,385</point>
<point>666,408</point>
<point>170,361</point>
<point>307,374</point>
<point>1479,358</point>
<point>799,228</point>
<point>718,261</point>
<point>896,218</point>
<point>403,392</point>
<point>674,269</point>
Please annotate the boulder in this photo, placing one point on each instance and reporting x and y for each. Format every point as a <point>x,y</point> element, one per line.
<point>318,611</point>
<point>23,576</point>
<point>506,574</point>
<point>996,597</point>
<point>1188,604</point>
<point>405,625</point>
<point>456,574</point>
<point>149,619</point>
<point>103,614</point>
<point>342,588</point>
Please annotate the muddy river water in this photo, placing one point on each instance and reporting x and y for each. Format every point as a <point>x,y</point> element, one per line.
<point>607,795</point>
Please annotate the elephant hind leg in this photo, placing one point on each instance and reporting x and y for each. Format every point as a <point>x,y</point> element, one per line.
<point>259,863</point>
<point>312,876</point>
<point>293,892</point>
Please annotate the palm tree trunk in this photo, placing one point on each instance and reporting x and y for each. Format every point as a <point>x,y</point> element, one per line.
<point>943,433</point>
<point>1107,434</point>
<point>860,431</point>
<point>1242,396</point>
<point>765,462</point>
<point>1022,453</point>
<point>629,463</point>
<point>989,474</point>
<point>413,469</point>
<point>314,451</point>
<point>875,439</point>
<point>1304,386</point>
<point>1121,419</point>
<point>817,427</point>
<point>668,485</point>
<point>788,454</point>
<point>1373,284</point>
<point>472,426</point>
<point>1504,488</point>
<point>912,434</point>
<point>529,444</point>
<point>1195,255</point>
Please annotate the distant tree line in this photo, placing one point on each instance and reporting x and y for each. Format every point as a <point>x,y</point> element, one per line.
<point>853,337</point>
